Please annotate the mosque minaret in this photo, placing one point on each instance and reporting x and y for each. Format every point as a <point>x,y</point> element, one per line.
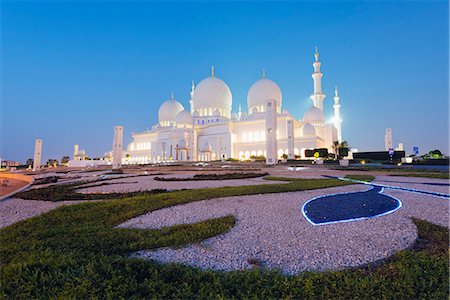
<point>209,130</point>
<point>318,97</point>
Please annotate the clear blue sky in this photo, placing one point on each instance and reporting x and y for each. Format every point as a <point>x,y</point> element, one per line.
<point>73,70</point>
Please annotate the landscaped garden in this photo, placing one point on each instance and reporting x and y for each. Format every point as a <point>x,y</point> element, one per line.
<point>77,251</point>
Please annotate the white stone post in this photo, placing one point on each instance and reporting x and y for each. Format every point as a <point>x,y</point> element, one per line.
<point>271,132</point>
<point>337,114</point>
<point>75,152</point>
<point>195,145</point>
<point>388,139</point>
<point>37,154</point>
<point>290,133</point>
<point>117,147</point>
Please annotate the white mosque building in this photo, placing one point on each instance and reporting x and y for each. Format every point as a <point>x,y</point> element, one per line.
<point>209,130</point>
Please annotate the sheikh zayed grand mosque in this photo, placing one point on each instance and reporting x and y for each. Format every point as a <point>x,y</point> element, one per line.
<point>209,130</point>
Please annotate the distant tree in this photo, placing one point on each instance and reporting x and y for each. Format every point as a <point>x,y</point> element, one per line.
<point>340,149</point>
<point>436,153</point>
<point>433,154</point>
<point>65,160</point>
<point>284,156</point>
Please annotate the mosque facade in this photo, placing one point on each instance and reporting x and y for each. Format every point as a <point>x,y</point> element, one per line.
<point>209,130</point>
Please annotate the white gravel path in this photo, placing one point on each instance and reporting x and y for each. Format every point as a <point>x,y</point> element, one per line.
<point>272,230</point>
<point>13,210</point>
<point>425,207</point>
<point>144,183</point>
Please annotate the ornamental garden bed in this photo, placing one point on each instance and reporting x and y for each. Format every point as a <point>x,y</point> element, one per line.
<point>226,176</point>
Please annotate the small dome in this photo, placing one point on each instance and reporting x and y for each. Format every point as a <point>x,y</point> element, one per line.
<point>168,111</point>
<point>214,93</point>
<point>234,116</point>
<point>314,116</point>
<point>130,146</point>
<point>81,152</point>
<point>184,118</point>
<point>182,144</point>
<point>262,90</point>
<point>308,130</point>
<point>206,147</point>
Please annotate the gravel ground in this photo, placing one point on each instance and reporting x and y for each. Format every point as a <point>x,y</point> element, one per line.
<point>13,210</point>
<point>425,184</point>
<point>148,183</point>
<point>425,207</point>
<point>272,231</point>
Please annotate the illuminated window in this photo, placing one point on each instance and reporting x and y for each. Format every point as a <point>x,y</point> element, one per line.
<point>257,136</point>
<point>250,137</point>
<point>296,152</point>
<point>253,153</point>
<point>263,135</point>
<point>244,137</point>
<point>241,155</point>
<point>260,153</point>
<point>247,154</point>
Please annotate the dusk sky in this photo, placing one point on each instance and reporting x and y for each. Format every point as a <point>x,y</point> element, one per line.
<point>73,70</point>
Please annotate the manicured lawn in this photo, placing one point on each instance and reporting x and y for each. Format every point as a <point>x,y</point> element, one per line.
<point>68,191</point>
<point>75,252</point>
<point>425,175</point>
<point>354,177</point>
<point>225,176</point>
<point>62,192</point>
<point>367,178</point>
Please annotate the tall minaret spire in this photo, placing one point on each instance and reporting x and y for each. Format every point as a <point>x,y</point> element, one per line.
<point>191,101</point>
<point>337,114</point>
<point>318,96</point>
<point>171,95</point>
<point>263,73</point>
<point>212,71</point>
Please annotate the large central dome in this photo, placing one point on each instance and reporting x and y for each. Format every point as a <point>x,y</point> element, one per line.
<point>262,90</point>
<point>212,94</point>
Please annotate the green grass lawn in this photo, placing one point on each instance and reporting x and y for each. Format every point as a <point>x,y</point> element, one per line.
<point>367,178</point>
<point>224,176</point>
<point>76,252</point>
<point>424,175</point>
